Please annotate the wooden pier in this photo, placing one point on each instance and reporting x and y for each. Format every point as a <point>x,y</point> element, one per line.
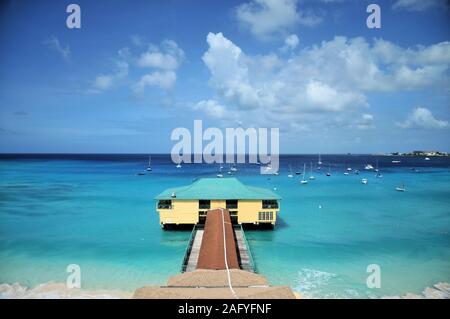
<point>240,246</point>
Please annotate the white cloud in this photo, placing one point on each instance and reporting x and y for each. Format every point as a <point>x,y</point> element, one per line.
<point>423,118</point>
<point>311,85</point>
<point>326,98</point>
<point>365,122</point>
<point>265,18</point>
<point>211,108</point>
<point>163,61</point>
<point>290,43</point>
<point>164,80</point>
<point>419,5</point>
<point>169,56</point>
<point>54,44</point>
<point>104,82</point>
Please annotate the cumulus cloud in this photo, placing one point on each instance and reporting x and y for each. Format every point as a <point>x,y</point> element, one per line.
<point>104,82</point>
<point>365,122</point>
<point>290,43</point>
<point>419,5</point>
<point>54,44</point>
<point>319,81</point>
<point>164,80</point>
<point>157,66</point>
<point>164,61</point>
<point>212,108</point>
<point>265,18</point>
<point>423,118</point>
<point>169,56</point>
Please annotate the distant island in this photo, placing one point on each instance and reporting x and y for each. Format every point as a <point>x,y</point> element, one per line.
<point>420,153</point>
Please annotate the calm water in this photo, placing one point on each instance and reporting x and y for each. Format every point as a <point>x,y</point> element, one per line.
<point>96,212</point>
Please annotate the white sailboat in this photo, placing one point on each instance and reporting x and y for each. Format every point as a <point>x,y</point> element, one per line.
<point>178,162</point>
<point>427,158</point>
<point>396,162</point>
<point>304,181</point>
<point>329,170</point>
<point>220,175</point>
<point>290,170</point>
<point>400,188</point>
<point>319,161</point>
<point>311,177</point>
<point>149,167</point>
<point>378,175</point>
<point>368,167</point>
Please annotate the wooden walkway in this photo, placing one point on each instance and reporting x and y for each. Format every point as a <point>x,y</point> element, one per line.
<point>246,261</point>
<point>193,250</point>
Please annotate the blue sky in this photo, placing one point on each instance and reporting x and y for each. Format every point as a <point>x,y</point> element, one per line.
<point>135,71</point>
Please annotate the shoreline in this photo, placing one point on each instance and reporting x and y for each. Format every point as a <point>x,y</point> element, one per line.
<point>53,290</point>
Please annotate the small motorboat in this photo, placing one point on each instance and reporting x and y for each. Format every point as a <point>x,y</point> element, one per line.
<point>364,181</point>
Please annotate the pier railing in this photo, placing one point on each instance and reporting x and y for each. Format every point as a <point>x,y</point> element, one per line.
<point>187,252</point>
<point>249,250</point>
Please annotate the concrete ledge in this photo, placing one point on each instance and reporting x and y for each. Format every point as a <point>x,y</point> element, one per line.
<point>217,278</point>
<point>279,292</point>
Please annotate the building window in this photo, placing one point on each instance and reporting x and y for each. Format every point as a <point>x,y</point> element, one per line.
<point>233,213</point>
<point>204,204</point>
<point>232,204</point>
<point>270,204</point>
<point>262,216</point>
<point>165,204</point>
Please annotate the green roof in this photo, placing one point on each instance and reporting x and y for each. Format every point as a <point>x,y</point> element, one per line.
<point>218,188</point>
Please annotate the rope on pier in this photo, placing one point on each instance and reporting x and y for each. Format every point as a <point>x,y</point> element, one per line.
<point>225,257</point>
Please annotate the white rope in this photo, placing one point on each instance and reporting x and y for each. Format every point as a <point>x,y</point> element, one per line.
<point>225,256</point>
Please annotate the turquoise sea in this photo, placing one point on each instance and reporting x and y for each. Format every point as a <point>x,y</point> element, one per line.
<point>95,211</point>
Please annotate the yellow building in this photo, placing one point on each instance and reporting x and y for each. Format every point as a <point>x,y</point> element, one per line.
<point>189,204</point>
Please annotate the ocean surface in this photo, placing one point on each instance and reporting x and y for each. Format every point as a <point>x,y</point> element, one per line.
<point>95,211</point>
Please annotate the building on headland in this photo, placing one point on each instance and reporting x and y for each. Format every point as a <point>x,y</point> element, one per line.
<point>189,204</point>
<point>421,153</point>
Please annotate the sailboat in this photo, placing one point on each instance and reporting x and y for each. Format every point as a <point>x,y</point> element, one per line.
<point>179,162</point>
<point>347,170</point>
<point>233,168</point>
<point>329,170</point>
<point>220,175</point>
<point>290,174</point>
<point>378,175</point>
<point>304,181</point>
<point>319,161</point>
<point>427,158</point>
<point>400,188</point>
<point>149,167</point>
<point>368,167</point>
<point>311,177</point>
